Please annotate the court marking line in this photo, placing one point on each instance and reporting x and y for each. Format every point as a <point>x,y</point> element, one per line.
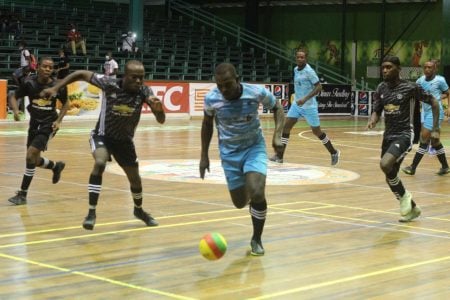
<point>301,135</point>
<point>135,221</point>
<point>352,278</point>
<point>304,211</point>
<point>367,221</point>
<point>122,231</point>
<point>96,277</point>
<point>274,206</point>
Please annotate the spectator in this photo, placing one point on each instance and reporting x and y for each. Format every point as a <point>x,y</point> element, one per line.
<point>129,42</point>
<point>62,69</point>
<point>75,40</point>
<point>110,67</point>
<point>15,29</point>
<point>19,76</point>
<point>24,54</point>
<point>5,23</point>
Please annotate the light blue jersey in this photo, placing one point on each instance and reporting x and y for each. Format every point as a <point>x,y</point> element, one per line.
<point>237,121</point>
<point>241,142</point>
<point>304,82</point>
<point>435,87</point>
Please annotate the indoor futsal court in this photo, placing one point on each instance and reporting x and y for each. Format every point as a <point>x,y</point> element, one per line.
<point>331,233</point>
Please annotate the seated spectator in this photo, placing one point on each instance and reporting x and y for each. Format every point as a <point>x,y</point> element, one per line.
<point>62,69</point>
<point>5,23</point>
<point>129,42</point>
<point>15,29</point>
<point>75,40</point>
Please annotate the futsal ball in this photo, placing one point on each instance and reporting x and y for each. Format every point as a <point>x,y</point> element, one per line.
<point>212,246</point>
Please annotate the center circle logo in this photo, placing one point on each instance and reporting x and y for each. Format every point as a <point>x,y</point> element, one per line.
<point>182,170</point>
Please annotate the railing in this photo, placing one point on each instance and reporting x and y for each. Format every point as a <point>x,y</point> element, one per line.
<point>246,37</point>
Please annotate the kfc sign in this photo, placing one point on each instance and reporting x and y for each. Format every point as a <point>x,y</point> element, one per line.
<point>174,96</point>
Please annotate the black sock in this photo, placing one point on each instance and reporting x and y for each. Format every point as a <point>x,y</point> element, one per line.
<point>327,143</point>
<point>30,169</point>
<point>45,163</point>
<point>284,142</point>
<point>419,154</point>
<point>136,193</point>
<point>396,185</point>
<point>440,152</point>
<point>94,188</point>
<point>258,212</point>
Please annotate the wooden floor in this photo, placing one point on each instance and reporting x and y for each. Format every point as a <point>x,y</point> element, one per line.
<point>339,240</point>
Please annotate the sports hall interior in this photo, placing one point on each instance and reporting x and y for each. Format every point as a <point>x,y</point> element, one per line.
<point>331,232</point>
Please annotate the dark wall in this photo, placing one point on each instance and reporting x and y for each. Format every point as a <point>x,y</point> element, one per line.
<point>318,24</point>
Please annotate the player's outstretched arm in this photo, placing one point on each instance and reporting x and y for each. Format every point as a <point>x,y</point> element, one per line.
<point>157,109</point>
<point>206,136</point>
<point>75,76</point>
<point>373,120</point>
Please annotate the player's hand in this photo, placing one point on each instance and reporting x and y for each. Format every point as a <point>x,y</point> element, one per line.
<point>155,104</point>
<point>371,124</point>
<point>48,93</point>
<point>157,109</point>
<point>204,165</point>
<point>301,101</point>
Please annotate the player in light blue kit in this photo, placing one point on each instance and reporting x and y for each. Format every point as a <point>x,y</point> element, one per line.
<point>233,106</point>
<point>435,85</point>
<point>306,86</point>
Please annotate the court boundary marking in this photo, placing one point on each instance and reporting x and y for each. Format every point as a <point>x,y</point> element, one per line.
<point>306,211</point>
<point>283,211</point>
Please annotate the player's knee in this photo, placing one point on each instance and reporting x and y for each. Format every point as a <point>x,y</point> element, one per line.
<point>99,166</point>
<point>385,167</point>
<point>258,196</point>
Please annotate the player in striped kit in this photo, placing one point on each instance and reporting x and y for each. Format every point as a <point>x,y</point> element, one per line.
<point>397,98</point>
<point>113,134</point>
<point>44,123</point>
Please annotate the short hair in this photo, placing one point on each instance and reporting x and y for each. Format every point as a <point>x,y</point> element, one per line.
<point>224,68</point>
<point>45,58</point>
<point>302,50</point>
<point>392,59</point>
<point>133,63</point>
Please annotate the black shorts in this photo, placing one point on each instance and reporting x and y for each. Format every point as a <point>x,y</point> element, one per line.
<point>397,146</point>
<point>123,152</point>
<point>39,134</point>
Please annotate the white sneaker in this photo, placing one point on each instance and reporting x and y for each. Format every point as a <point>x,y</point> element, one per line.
<point>414,213</point>
<point>405,204</point>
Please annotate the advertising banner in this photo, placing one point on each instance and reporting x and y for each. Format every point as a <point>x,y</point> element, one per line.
<point>3,99</point>
<point>363,103</point>
<point>174,96</point>
<point>281,92</point>
<point>335,99</point>
<point>85,99</point>
<point>197,92</point>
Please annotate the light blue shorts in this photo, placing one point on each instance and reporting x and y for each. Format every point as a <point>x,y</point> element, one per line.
<point>235,165</point>
<point>311,115</point>
<point>427,119</point>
